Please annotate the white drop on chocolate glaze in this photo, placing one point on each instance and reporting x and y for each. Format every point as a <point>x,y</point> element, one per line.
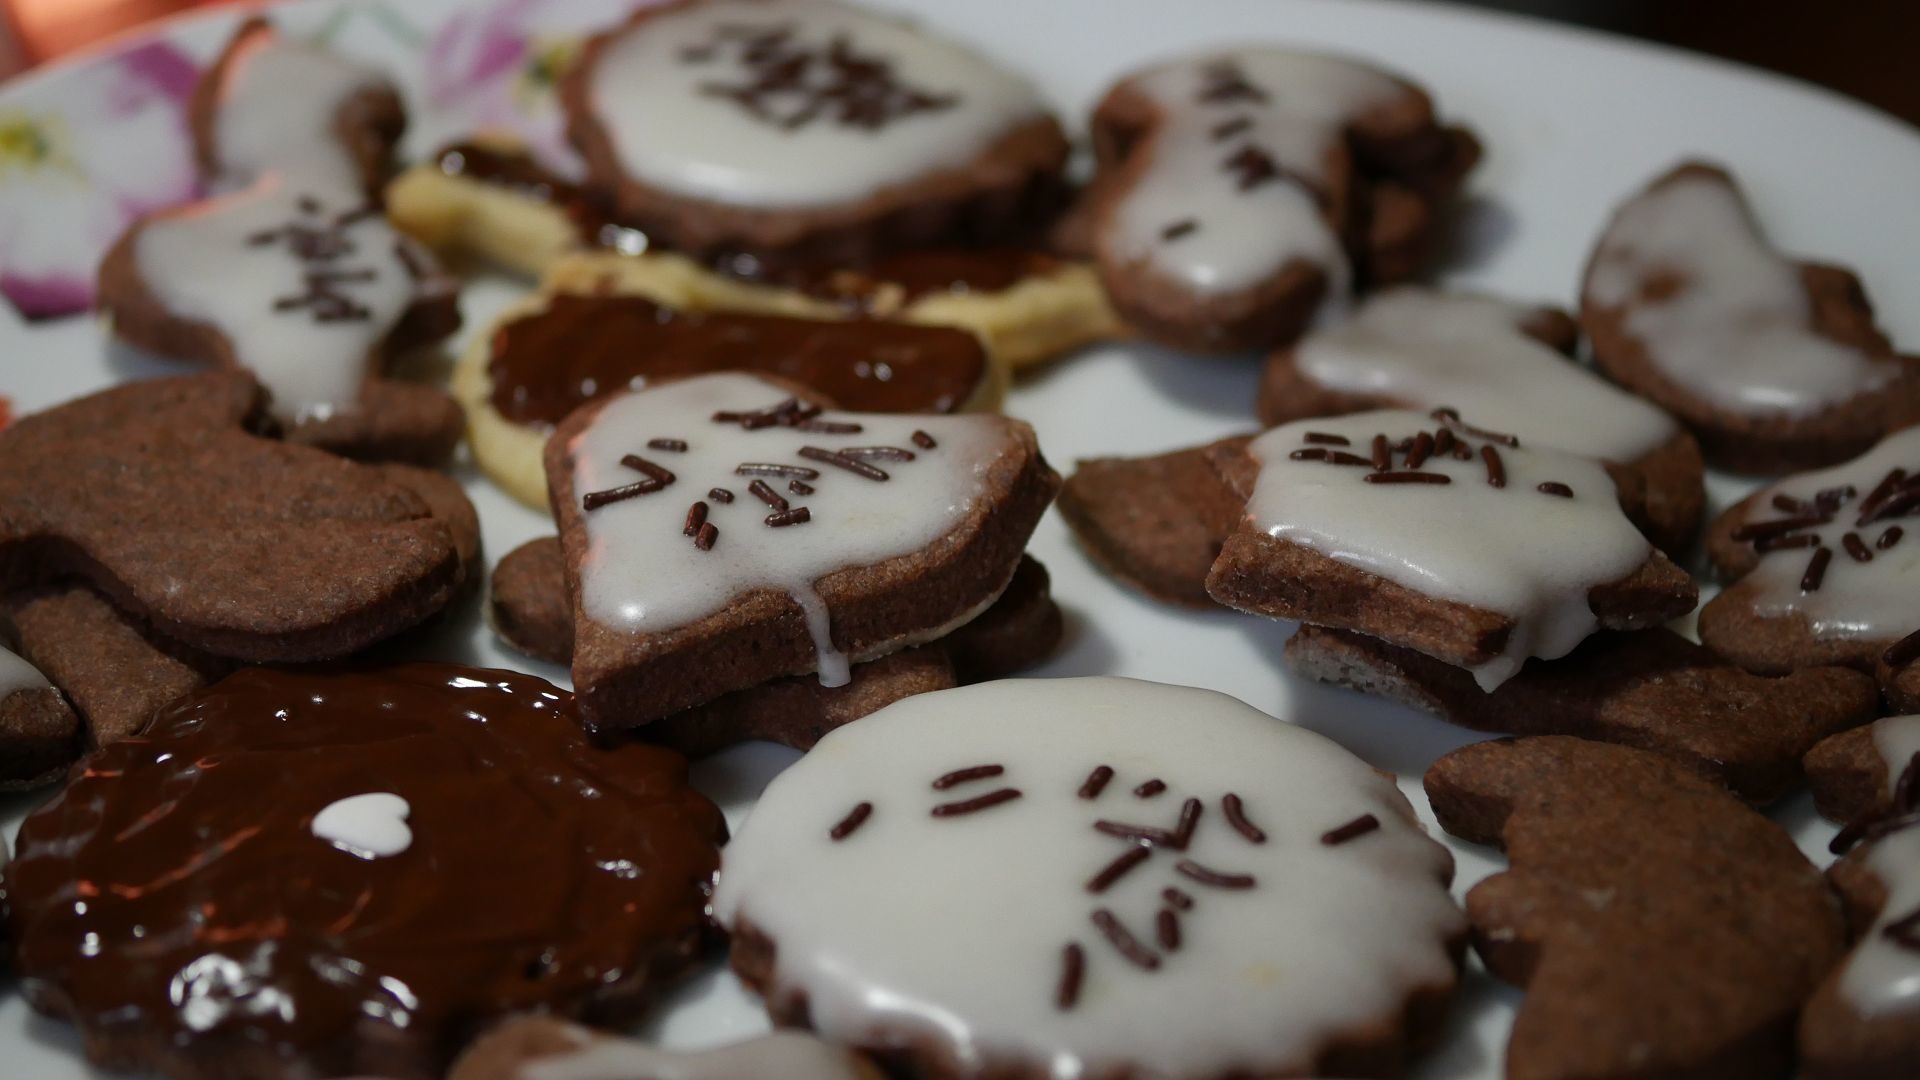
<point>789,1055</point>
<point>1736,330</point>
<point>370,826</point>
<point>1215,227</point>
<point>230,262</point>
<point>16,674</point>
<point>643,574</point>
<point>840,131</point>
<point>1873,600</point>
<point>1882,975</point>
<point>1432,349</point>
<point>1514,550</point>
<point>277,111</point>
<point>950,932</point>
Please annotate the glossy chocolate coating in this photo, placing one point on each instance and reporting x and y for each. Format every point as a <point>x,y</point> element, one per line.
<point>175,903</point>
<point>548,363</point>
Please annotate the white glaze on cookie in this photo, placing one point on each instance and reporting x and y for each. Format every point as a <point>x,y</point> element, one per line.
<point>1432,349</point>
<point>788,1055</point>
<point>644,574</point>
<point>1736,330</point>
<point>1247,220</point>
<point>953,929</point>
<point>1515,550</point>
<point>231,262</point>
<point>659,89</point>
<point>370,826</point>
<point>1873,600</point>
<point>277,111</point>
<point>1883,975</point>
<point>17,675</point>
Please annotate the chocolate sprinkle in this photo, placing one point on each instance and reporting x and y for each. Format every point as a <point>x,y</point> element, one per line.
<point>647,468</point>
<point>1889,538</point>
<point>1073,968</point>
<point>1179,229</point>
<point>1554,487</point>
<point>1382,454</point>
<point>1149,789</point>
<point>1123,941</point>
<point>883,453</point>
<point>1354,829</point>
<point>1325,439</point>
<point>1407,478</point>
<point>1856,547</point>
<point>1903,652</point>
<point>780,519</point>
<point>1237,817</point>
<point>676,446</point>
<point>1215,878</point>
<point>1189,821</point>
<point>1229,128</point>
<point>759,490</point>
<point>761,468</point>
<point>923,440</point>
<point>852,465</point>
<point>720,495</point>
<point>1816,570</point>
<point>971,772</point>
<point>708,534</point>
<point>1118,868</point>
<point>1418,452</point>
<point>854,819</point>
<point>1496,470</point>
<point>594,500</point>
<point>1166,927</point>
<point>799,487</point>
<point>1783,543</point>
<point>1150,834</point>
<point>696,517</point>
<point>1177,898</point>
<point>1755,530</point>
<point>1451,418</point>
<point>977,803</point>
<point>1096,782</point>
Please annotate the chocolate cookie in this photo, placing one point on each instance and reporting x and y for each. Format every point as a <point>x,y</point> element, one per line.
<point>1651,689</point>
<point>1820,570</point>
<point>39,734</point>
<point>800,541</point>
<point>530,1046</point>
<point>1264,896</point>
<point>1155,523</point>
<point>1774,365</point>
<point>315,295</point>
<point>807,129</point>
<point>290,880</point>
<point>1439,536</point>
<point>1243,193</point>
<point>1509,367</point>
<point>1659,927</point>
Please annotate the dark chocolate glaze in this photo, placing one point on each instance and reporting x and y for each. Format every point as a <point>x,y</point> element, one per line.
<point>899,278</point>
<point>548,363</point>
<point>175,904</point>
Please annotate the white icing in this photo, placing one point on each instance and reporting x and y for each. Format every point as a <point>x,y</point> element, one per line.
<point>277,110</point>
<point>952,929</point>
<point>643,574</point>
<point>1430,349</point>
<point>788,1055</point>
<point>17,675</point>
<point>1515,550</point>
<point>1243,235</point>
<point>1737,332</point>
<point>370,826</point>
<point>669,133</point>
<point>1881,976</point>
<point>200,263</point>
<point>1874,600</point>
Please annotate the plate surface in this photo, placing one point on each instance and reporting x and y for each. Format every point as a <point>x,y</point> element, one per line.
<point>1572,122</point>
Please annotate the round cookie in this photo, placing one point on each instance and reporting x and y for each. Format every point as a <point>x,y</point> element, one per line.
<point>306,874</point>
<point>1097,876</point>
<point>541,1048</point>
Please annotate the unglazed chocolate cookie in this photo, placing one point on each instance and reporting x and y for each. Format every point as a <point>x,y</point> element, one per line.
<point>39,733</point>
<point>1095,877</point>
<point>541,1048</point>
<point>328,875</point>
<point>1243,193</point>
<point>1775,365</point>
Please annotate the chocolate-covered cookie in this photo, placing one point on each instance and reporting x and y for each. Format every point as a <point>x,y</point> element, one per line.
<point>39,733</point>
<point>297,874</point>
<point>1775,365</point>
<point>1094,877</point>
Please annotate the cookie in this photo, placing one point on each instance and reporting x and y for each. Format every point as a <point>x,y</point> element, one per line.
<point>1820,569</point>
<point>39,734</point>
<point>808,130</point>
<point>1864,1021</point>
<point>349,918</point>
<point>1244,194</point>
<point>1660,928</point>
<point>157,495</point>
<point>1899,674</point>
<point>1265,897</point>
<point>552,353</point>
<point>271,104</point>
<point>531,1046</point>
<point>1434,534</point>
<point>1156,523</point>
<point>317,296</point>
<point>1651,689</point>
<point>1509,367</point>
<point>1775,365</point>
<point>800,541</point>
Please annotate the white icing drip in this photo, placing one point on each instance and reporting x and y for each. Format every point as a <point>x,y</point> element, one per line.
<point>788,1055</point>
<point>17,675</point>
<point>1515,550</point>
<point>1431,349</point>
<point>668,132</point>
<point>643,574</point>
<point>277,110</point>
<point>200,263</point>
<point>1872,601</point>
<point>1737,333</point>
<point>1881,976</point>
<point>370,826</point>
<point>1243,235</point>
<point>952,929</point>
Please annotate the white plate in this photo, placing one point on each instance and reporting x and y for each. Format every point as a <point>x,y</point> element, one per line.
<point>1572,122</point>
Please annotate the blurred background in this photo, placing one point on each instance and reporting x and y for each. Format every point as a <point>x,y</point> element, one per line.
<point>1859,47</point>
